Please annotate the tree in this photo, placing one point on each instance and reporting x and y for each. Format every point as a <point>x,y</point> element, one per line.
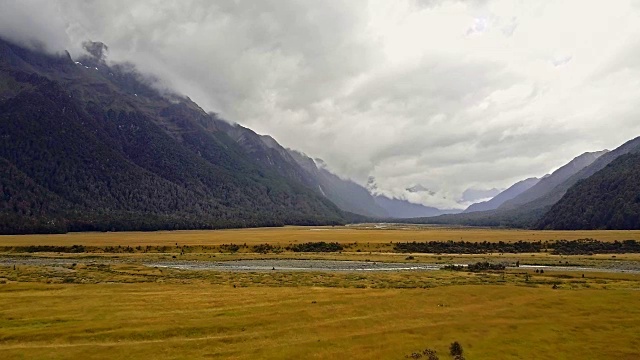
<point>455,349</point>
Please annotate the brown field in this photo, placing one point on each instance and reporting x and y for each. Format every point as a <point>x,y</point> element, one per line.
<point>288,235</point>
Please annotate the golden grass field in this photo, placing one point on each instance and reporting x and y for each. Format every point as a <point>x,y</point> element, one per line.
<point>122,309</point>
<point>287,235</point>
<point>156,321</point>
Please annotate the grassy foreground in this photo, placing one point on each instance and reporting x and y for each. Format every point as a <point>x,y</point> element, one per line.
<point>121,321</point>
<point>117,308</point>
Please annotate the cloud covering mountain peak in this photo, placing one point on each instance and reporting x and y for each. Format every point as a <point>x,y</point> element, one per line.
<point>448,94</point>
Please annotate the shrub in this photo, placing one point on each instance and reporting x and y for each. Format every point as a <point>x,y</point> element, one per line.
<point>430,354</point>
<point>263,248</point>
<point>477,267</point>
<point>316,247</point>
<point>455,349</point>
<point>232,248</point>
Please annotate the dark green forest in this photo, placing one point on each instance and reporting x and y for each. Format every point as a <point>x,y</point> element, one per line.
<point>609,199</point>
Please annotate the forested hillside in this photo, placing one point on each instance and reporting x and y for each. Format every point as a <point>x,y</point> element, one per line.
<point>610,199</point>
<point>85,146</point>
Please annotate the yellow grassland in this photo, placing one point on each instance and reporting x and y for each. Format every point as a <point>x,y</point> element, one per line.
<point>118,308</point>
<point>288,235</point>
<point>199,320</point>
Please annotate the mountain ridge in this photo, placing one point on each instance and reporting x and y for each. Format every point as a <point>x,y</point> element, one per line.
<point>554,186</point>
<point>127,158</point>
<point>547,184</point>
<point>508,194</point>
<point>608,199</point>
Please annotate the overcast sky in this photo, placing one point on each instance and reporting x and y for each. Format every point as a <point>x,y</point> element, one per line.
<point>449,95</point>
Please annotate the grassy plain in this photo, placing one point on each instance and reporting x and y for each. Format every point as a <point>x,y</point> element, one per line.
<point>292,235</point>
<point>187,321</point>
<point>117,308</point>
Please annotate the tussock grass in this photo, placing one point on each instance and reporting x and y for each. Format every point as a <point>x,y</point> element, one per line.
<point>120,309</point>
<point>371,239</point>
<point>198,320</point>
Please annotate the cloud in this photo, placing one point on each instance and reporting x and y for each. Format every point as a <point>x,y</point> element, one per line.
<point>448,94</point>
<point>34,24</point>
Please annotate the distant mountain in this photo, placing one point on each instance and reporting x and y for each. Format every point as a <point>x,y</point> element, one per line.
<point>609,199</point>
<point>547,184</point>
<point>87,146</point>
<point>542,198</point>
<point>510,193</point>
<point>471,195</point>
<point>346,194</point>
<point>398,208</point>
<point>631,146</point>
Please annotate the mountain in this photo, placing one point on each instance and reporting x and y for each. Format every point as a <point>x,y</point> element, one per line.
<point>547,184</point>
<point>87,146</point>
<point>631,146</point>
<point>609,199</point>
<point>508,194</point>
<point>544,202</point>
<point>346,194</point>
<point>471,195</point>
<point>298,167</point>
<point>398,208</point>
<point>518,213</point>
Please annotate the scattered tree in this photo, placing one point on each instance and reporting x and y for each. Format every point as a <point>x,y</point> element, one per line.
<point>455,349</point>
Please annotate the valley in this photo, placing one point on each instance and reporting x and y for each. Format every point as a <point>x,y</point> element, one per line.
<point>242,294</point>
<point>319,180</point>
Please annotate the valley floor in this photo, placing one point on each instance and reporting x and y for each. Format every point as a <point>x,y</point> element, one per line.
<point>100,304</point>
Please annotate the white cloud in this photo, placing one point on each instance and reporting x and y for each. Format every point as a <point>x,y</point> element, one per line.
<point>448,94</point>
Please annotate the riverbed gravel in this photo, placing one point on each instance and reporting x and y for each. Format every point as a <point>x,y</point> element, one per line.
<point>301,265</point>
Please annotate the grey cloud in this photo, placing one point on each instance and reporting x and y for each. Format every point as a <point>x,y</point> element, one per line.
<point>35,24</point>
<point>444,110</point>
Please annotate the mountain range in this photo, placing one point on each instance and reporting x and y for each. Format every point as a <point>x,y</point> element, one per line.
<point>508,194</point>
<point>86,145</point>
<point>89,146</point>
<point>400,208</point>
<point>535,206</point>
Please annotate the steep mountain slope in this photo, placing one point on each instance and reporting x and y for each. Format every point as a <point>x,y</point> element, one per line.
<point>346,194</point>
<point>609,199</point>
<point>267,152</point>
<point>508,194</point>
<point>547,184</point>
<point>631,146</point>
<point>92,147</point>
